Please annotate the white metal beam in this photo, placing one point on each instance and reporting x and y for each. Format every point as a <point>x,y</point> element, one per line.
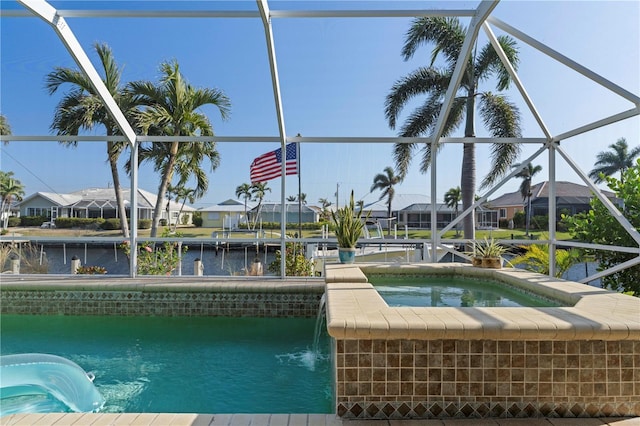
<point>564,60</point>
<point>260,139</point>
<point>407,13</point>
<point>597,124</point>
<point>277,97</point>
<point>514,76</point>
<point>551,208</point>
<point>49,15</point>
<point>482,13</point>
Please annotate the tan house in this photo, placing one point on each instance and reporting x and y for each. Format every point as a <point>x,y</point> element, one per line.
<point>571,198</point>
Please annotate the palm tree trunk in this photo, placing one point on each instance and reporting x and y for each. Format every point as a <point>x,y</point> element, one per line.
<point>167,174</point>
<point>124,224</point>
<point>468,179</point>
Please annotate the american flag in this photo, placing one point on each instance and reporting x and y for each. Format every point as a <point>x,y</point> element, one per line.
<point>269,166</point>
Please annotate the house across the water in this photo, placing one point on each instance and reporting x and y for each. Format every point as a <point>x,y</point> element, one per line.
<point>100,203</point>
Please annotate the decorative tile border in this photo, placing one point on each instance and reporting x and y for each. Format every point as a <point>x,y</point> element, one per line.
<point>388,379</point>
<point>256,300</point>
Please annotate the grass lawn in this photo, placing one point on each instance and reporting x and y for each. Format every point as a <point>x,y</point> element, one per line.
<point>193,232</point>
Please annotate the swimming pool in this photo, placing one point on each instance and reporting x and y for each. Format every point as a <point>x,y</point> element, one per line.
<point>187,364</point>
<point>451,291</point>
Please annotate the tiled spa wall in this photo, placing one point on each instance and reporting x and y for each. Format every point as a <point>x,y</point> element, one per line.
<point>483,378</point>
<point>269,303</point>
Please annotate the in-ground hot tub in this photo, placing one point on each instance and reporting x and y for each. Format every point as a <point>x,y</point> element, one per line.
<point>579,360</point>
<point>450,291</point>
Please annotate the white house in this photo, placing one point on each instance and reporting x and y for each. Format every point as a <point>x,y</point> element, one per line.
<point>227,214</point>
<point>99,203</point>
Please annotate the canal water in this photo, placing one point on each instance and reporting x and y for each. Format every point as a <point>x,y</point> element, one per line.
<point>215,262</point>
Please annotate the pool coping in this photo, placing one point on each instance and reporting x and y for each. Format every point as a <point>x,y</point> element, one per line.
<point>355,310</point>
<point>154,284</point>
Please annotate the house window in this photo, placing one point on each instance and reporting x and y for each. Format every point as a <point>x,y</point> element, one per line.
<point>36,211</point>
<point>213,215</point>
<point>503,213</point>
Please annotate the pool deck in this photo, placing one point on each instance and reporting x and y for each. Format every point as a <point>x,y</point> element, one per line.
<point>153,419</point>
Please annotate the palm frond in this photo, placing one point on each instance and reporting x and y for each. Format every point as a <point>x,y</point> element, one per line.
<point>446,33</point>
<point>502,119</point>
<point>489,63</point>
<point>431,81</point>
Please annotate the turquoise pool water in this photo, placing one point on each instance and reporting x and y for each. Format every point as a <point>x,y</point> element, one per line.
<point>186,364</point>
<point>451,291</point>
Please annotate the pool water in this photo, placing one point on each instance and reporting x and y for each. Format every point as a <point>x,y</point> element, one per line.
<point>451,291</point>
<point>187,364</point>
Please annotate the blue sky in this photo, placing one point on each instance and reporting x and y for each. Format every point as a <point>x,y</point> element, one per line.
<point>334,73</point>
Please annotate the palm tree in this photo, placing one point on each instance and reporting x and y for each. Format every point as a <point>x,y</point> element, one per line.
<point>259,190</point>
<point>5,128</point>
<point>526,174</point>
<point>244,191</point>
<point>452,198</point>
<point>325,203</point>
<point>386,182</point>
<point>171,110</point>
<point>303,198</point>
<point>82,109</point>
<point>618,159</point>
<point>182,193</point>
<point>11,190</point>
<point>500,117</point>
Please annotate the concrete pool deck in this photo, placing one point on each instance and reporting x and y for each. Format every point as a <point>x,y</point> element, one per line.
<point>152,419</point>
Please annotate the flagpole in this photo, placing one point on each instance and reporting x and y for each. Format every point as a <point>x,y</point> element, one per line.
<point>299,189</point>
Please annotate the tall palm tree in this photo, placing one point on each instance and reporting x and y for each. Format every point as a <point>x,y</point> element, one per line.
<point>500,116</point>
<point>244,191</point>
<point>452,198</point>
<point>259,191</point>
<point>82,109</point>
<point>618,159</point>
<point>11,190</point>
<point>171,110</point>
<point>5,128</point>
<point>526,174</point>
<point>386,182</point>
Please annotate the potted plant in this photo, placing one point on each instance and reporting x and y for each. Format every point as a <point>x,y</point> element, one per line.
<point>491,252</point>
<point>349,224</point>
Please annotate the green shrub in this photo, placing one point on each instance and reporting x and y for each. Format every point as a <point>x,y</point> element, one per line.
<point>111,224</point>
<point>157,258</point>
<point>197,219</point>
<point>144,223</point>
<point>598,226</point>
<point>162,222</point>
<point>13,222</point>
<point>540,222</point>
<point>32,220</point>
<point>91,270</point>
<point>296,263</point>
<point>79,222</point>
<point>519,219</point>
